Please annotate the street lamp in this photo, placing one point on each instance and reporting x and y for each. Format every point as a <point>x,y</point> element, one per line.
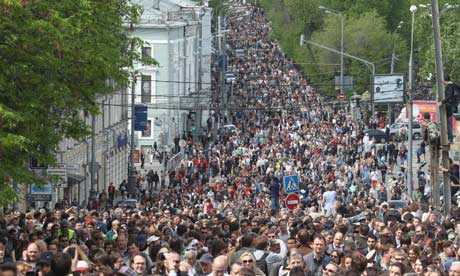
<point>412,9</point>
<point>331,11</point>
<point>445,8</point>
<point>393,55</point>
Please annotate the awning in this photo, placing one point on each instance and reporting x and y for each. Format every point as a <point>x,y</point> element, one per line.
<point>75,177</point>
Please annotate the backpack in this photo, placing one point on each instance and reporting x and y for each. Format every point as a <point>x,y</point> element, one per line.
<point>455,100</point>
<point>262,263</point>
<point>432,135</point>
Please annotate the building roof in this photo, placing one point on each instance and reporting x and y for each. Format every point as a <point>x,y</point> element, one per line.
<point>167,13</point>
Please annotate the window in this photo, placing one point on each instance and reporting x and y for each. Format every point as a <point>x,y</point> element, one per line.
<point>146,93</point>
<point>146,52</point>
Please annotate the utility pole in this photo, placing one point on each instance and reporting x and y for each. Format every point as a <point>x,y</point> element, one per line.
<point>442,108</point>
<point>409,184</point>
<point>341,55</point>
<point>132,168</point>
<point>393,54</point>
<point>92,191</point>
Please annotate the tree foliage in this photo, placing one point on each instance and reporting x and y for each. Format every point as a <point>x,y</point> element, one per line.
<point>56,56</point>
<point>369,28</point>
<point>424,43</point>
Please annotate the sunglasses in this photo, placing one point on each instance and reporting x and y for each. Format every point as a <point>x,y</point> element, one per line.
<point>247,261</point>
<point>328,270</point>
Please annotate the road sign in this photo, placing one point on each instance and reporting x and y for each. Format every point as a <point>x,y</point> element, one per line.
<point>59,172</point>
<point>341,96</point>
<point>41,192</point>
<point>182,143</point>
<point>291,184</point>
<point>292,201</point>
<point>73,168</point>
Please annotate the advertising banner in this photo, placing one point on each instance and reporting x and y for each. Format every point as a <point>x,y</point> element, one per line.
<point>388,88</point>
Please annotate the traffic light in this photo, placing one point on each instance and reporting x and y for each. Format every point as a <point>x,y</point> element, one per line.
<point>193,128</point>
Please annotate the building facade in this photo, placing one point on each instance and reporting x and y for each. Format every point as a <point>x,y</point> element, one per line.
<point>177,34</point>
<point>111,151</point>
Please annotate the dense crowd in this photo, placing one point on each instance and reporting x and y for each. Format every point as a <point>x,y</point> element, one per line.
<point>222,212</point>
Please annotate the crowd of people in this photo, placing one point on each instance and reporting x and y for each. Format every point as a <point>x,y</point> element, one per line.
<point>222,212</point>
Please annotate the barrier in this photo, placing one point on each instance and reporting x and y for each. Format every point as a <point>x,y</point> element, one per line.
<point>174,162</point>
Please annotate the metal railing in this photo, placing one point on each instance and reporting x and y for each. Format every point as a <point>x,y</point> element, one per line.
<point>174,162</point>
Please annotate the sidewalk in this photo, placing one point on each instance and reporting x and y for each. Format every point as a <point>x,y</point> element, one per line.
<point>415,169</point>
<point>155,166</point>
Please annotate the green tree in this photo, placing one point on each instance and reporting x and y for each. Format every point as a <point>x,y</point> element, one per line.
<point>56,56</point>
<point>424,43</point>
<point>305,15</point>
<point>364,37</point>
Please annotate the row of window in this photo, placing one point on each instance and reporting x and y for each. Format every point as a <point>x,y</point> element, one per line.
<point>146,81</point>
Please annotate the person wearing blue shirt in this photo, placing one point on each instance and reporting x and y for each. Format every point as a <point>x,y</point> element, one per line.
<point>275,194</point>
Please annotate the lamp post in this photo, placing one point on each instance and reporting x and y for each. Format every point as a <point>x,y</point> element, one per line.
<point>393,54</point>
<point>413,9</point>
<point>331,11</point>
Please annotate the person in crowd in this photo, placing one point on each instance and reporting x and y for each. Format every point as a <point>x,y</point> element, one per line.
<point>223,209</point>
<point>315,260</point>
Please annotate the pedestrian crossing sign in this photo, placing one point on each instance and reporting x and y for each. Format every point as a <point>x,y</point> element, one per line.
<point>291,184</point>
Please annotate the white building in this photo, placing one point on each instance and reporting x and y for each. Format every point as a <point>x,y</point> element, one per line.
<point>111,151</point>
<point>177,34</point>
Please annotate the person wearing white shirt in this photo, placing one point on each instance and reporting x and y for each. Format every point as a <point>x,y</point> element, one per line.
<point>329,201</point>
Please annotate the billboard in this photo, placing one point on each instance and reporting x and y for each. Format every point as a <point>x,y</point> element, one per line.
<point>388,88</point>
<point>141,117</point>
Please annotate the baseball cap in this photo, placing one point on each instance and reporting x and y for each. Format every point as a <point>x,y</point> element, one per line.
<point>206,258</point>
<point>45,258</point>
<point>141,239</point>
<point>82,266</point>
<point>152,238</point>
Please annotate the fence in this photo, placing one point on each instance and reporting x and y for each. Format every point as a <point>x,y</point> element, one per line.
<point>174,162</point>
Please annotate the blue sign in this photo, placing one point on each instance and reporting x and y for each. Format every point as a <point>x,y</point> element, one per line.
<point>141,117</point>
<point>122,140</point>
<point>222,62</point>
<point>291,184</point>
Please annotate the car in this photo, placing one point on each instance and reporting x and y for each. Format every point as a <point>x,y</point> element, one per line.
<point>397,204</point>
<point>228,129</point>
<point>395,129</point>
<point>230,78</point>
<point>239,53</point>
<point>127,203</point>
<point>377,134</point>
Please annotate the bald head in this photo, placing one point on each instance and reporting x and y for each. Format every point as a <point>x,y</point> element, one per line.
<point>219,265</point>
<point>32,252</point>
<point>454,268</point>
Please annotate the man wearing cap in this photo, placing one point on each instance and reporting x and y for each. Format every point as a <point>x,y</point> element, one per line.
<point>83,268</point>
<point>204,265</point>
<point>44,262</point>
